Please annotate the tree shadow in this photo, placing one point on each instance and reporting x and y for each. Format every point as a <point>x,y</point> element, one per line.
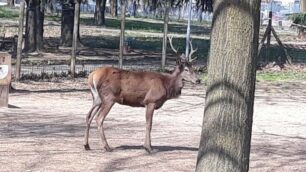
<point>158,148</point>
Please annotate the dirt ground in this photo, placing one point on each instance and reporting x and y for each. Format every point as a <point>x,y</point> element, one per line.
<point>43,130</point>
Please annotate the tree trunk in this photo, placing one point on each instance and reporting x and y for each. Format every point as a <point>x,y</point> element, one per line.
<point>179,13</point>
<point>303,6</point>
<point>75,38</point>
<point>31,29</point>
<point>67,23</point>
<point>227,123</point>
<point>164,50</point>
<point>114,8</point>
<point>134,8</point>
<point>10,3</point>
<point>121,44</point>
<point>40,15</point>
<point>20,38</point>
<point>100,12</point>
<point>301,33</point>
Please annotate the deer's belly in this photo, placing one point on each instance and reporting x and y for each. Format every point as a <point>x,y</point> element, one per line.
<point>132,99</point>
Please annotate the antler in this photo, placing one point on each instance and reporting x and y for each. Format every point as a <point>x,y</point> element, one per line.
<point>191,52</point>
<point>171,45</point>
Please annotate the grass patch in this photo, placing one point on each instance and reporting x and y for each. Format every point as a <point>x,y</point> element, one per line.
<point>147,43</point>
<point>270,76</point>
<point>8,13</point>
<point>148,26</point>
<point>280,76</point>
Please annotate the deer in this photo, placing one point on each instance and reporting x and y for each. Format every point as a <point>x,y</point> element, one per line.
<point>109,85</point>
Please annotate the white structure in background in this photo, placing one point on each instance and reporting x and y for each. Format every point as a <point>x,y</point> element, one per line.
<point>281,9</point>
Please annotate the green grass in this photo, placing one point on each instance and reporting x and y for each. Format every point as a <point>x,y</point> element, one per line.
<point>280,76</point>
<point>8,13</point>
<point>148,26</point>
<point>147,43</point>
<point>271,76</point>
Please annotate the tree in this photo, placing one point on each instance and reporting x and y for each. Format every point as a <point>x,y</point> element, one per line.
<point>10,3</point>
<point>67,21</point>
<point>303,6</point>
<point>114,7</point>
<point>164,49</point>
<point>75,37</point>
<point>227,123</point>
<point>121,44</point>
<point>100,12</point>
<point>34,25</point>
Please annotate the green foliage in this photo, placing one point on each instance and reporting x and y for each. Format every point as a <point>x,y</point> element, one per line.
<point>6,12</point>
<point>299,18</point>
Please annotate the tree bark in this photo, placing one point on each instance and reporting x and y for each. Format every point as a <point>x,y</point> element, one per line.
<point>114,11</point>
<point>31,29</point>
<point>227,123</point>
<point>75,38</point>
<point>10,3</point>
<point>20,38</point>
<point>100,12</point>
<point>121,44</point>
<point>164,50</point>
<point>40,15</point>
<point>303,6</point>
<point>67,23</point>
<point>301,33</point>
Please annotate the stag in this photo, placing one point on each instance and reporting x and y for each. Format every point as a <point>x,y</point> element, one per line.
<point>110,85</point>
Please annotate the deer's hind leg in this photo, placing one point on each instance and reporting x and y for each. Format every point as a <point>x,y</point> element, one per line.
<point>105,108</point>
<point>91,114</point>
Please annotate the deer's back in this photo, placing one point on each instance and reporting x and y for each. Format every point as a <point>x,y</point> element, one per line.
<point>130,87</point>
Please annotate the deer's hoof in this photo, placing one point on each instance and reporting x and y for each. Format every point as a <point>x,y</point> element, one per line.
<point>148,149</point>
<point>108,149</point>
<point>87,147</point>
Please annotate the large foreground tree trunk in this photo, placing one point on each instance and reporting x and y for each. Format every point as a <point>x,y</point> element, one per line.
<point>67,23</point>
<point>227,123</point>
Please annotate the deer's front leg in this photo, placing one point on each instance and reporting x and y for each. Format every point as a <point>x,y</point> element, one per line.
<point>149,116</point>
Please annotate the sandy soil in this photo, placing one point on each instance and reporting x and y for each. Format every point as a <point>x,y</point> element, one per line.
<point>43,131</point>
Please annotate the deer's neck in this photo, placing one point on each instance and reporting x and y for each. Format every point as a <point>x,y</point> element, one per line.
<point>175,84</point>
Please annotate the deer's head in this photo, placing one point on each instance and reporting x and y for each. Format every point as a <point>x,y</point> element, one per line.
<point>184,64</point>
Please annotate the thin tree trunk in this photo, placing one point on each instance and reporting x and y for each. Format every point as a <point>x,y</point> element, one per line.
<point>164,51</point>
<point>40,15</point>
<point>75,38</point>
<point>114,8</point>
<point>11,3</point>
<point>20,37</point>
<point>227,123</point>
<point>121,45</point>
<point>67,24</point>
<point>188,30</point>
